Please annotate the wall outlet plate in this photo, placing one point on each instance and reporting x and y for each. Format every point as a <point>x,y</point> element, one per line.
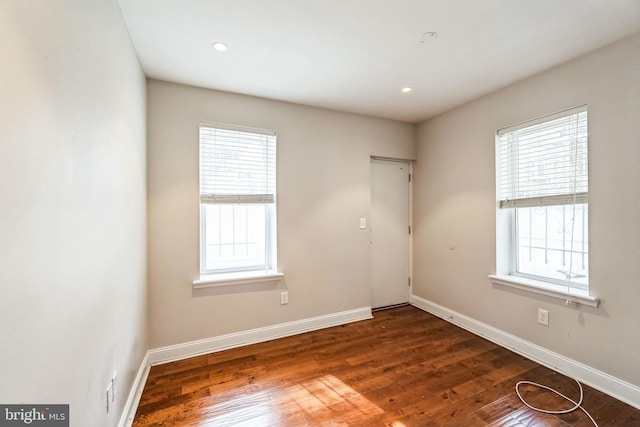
<point>113,386</point>
<point>543,317</point>
<point>108,393</point>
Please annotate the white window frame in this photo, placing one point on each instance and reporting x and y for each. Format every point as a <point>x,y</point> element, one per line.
<point>507,236</point>
<point>269,238</point>
<point>243,195</point>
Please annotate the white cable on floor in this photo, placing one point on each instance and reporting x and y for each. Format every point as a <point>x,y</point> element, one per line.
<point>578,405</point>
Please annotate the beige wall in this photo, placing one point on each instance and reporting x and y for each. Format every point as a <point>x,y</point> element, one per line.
<point>454,202</point>
<point>323,189</point>
<point>72,206</point>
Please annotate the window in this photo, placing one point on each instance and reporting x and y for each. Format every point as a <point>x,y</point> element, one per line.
<point>542,192</point>
<point>237,200</point>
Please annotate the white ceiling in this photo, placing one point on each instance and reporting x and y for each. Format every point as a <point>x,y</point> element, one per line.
<point>356,55</point>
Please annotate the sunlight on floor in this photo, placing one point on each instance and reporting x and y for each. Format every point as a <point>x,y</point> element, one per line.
<point>317,395</point>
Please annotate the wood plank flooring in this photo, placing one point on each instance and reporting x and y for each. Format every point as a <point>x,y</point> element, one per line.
<point>403,368</point>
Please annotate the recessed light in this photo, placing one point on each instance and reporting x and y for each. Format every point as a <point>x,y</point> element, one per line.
<point>219,46</point>
<point>406,89</point>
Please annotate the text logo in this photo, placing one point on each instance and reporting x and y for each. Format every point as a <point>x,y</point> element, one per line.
<point>34,415</point>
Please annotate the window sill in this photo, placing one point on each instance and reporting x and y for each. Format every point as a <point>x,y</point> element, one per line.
<point>243,278</point>
<point>548,289</point>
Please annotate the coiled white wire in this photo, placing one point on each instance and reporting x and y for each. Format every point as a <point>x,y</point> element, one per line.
<point>578,405</point>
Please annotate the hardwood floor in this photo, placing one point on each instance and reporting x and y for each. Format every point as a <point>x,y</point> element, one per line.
<point>405,368</point>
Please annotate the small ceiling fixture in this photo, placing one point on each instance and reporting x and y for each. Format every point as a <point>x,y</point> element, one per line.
<point>428,37</point>
<point>219,46</point>
<point>406,89</point>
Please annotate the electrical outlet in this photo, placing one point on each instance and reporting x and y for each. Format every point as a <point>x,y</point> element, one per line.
<point>113,386</point>
<point>543,317</point>
<point>108,396</point>
<point>284,298</point>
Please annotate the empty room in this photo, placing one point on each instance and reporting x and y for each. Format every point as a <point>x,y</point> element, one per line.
<point>320,212</point>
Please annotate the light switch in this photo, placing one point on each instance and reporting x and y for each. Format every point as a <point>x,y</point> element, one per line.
<point>363,223</point>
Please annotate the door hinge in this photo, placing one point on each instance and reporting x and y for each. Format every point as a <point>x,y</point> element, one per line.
<point>409,229</point>
<point>409,177</point>
<point>409,278</point>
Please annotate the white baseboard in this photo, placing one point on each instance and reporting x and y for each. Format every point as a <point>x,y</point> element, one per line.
<point>253,336</point>
<point>130,408</point>
<point>621,390</point>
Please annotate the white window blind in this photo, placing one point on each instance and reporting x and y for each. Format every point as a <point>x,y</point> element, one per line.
<point>544,162</point>
<point>237,165</point>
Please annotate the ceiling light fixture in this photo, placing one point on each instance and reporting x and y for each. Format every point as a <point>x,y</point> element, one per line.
<point>219,46</point>
<point>406,89</point>
<point>428,37</point>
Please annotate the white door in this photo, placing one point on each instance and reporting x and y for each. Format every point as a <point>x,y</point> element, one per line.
<point>389,232</point>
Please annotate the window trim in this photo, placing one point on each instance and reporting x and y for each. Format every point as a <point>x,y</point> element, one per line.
<point>545,288</point>
<point>241,278</point>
